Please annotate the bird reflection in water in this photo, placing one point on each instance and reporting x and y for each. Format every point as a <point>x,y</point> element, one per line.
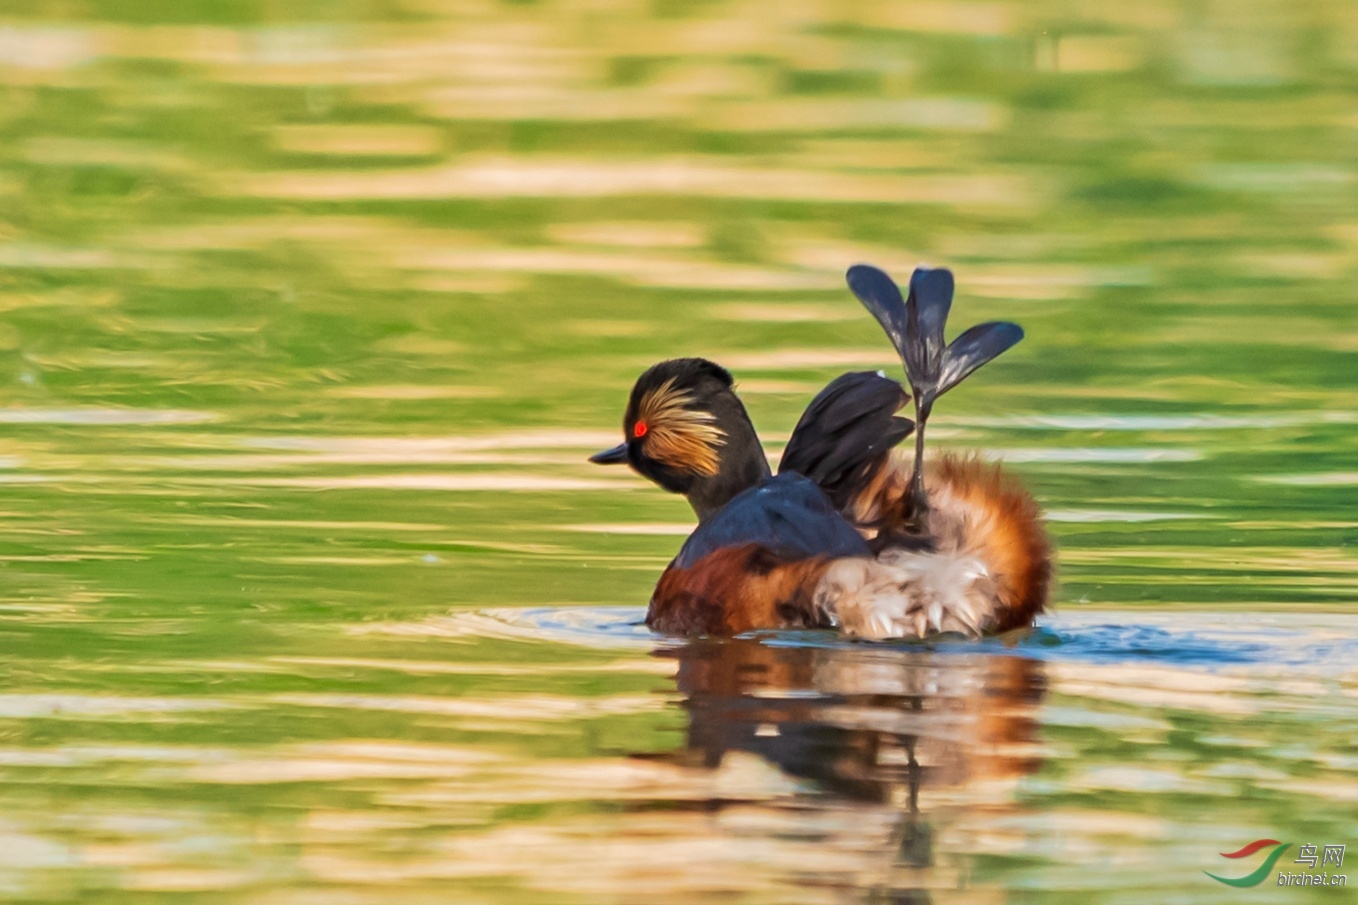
<point>919,737</point>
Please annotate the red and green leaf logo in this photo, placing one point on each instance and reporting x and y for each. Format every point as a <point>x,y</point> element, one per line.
<point>1257,877</point>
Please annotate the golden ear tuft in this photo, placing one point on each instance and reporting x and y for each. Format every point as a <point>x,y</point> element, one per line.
<point>676,435</point>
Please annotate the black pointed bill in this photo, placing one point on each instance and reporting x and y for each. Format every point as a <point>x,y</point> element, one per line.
<point>615,456</point>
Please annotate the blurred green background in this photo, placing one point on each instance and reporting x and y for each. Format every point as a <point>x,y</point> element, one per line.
<point>310,313</point>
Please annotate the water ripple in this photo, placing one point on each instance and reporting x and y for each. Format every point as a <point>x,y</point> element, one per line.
<point>1323,643</point>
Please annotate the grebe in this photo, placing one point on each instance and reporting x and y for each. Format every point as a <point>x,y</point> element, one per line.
<point>849,534</point>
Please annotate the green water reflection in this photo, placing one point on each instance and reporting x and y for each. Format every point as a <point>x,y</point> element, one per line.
<point>310,312</point>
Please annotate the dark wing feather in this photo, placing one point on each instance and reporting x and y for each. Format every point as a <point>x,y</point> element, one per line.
<point>845,399</point>
<point>844,432</point>
<point>788,515</point>
<point>974,348</point>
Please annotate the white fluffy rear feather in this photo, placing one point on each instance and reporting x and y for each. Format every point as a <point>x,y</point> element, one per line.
<point>906,594</point>
<point>960,585</point>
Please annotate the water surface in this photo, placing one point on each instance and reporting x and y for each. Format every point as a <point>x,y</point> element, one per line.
<point>310,313</point>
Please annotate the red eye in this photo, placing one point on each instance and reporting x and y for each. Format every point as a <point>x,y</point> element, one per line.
<point>639,429</point>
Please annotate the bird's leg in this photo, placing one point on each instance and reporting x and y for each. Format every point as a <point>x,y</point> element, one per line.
<point>919,500</point>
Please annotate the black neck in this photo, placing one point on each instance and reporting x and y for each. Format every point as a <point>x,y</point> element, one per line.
<point>743,465</point>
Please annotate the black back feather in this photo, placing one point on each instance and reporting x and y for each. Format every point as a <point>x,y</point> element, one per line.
<point>844,433</point>
<point>787,514</point>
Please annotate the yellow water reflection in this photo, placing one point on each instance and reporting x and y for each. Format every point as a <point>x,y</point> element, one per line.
<point>310,313</point>
<point>899,740</point>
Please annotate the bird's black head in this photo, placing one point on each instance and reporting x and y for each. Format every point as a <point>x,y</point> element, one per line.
<point>688,432</point>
